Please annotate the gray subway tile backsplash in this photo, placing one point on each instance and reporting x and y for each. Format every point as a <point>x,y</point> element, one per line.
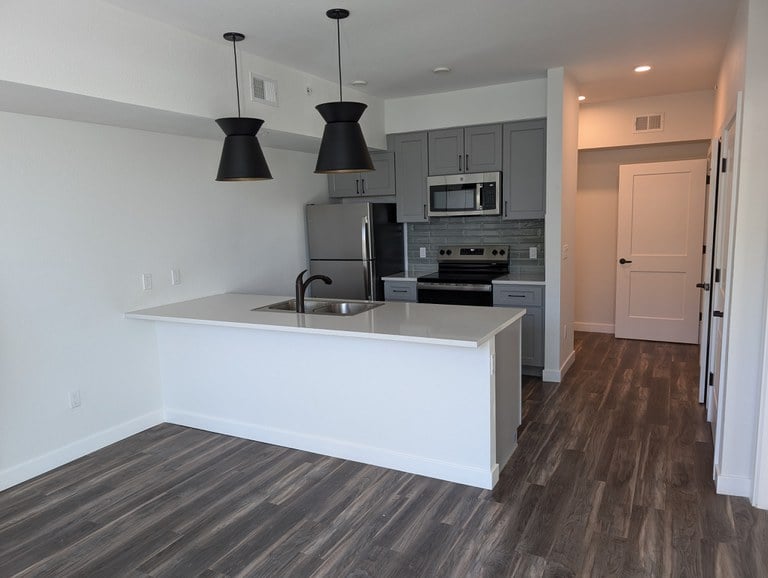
<point>519,235</point>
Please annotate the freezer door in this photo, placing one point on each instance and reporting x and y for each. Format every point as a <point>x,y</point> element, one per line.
<point>337,232</point>
<point>351,279</point>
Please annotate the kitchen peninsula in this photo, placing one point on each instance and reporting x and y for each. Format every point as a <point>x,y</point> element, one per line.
<point>428,389</point>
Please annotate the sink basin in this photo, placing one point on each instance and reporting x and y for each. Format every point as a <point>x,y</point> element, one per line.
<point>319,307</point>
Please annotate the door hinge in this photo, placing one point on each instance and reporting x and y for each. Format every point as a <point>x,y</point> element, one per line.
<point>703,249</point>
<point>717,275</point>
<point>708,179</point>
<point>724,168</point>
<point>711,378</point>
<point>699,315</point>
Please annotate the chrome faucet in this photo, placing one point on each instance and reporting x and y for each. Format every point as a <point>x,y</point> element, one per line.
<point>301,288</point>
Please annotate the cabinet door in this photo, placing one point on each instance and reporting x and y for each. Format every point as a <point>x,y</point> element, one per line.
<point>381,180</point>
<point>532,338</point>
<point>400,291</point>
<point>446,151</point>
<point>525,168</point>
<point>410,175</point>
<point>482,148</point>
<point>344,185</point>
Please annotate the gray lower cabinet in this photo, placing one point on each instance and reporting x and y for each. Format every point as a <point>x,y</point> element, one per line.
<point>472,149</point>
<point>525,169</point>
<point>400,290</point>
<point>532,298</point>
<point>379,182</point>
<point>410,150</point>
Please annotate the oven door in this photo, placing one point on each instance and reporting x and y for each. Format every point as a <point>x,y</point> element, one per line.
<point>455,293</point>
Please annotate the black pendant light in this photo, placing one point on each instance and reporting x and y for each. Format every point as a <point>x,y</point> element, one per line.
<point>343,148</point>
<point>241,157</point>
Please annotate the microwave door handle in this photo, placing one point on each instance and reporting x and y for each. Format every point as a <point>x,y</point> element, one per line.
<point>478,196</point>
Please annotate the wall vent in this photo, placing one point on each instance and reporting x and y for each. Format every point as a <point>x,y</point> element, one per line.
<point>649,122</point>
<point>263,90</point>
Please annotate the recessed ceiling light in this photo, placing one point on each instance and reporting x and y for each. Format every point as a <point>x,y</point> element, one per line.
<point>359,82</point>
<point>582,98</point>
<point>643,68</point>
<point>441,69</point>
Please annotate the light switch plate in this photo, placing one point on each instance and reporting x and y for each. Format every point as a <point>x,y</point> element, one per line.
<point>175,277</point>
<point>146,281</point>
<point>565,251</point>
<point>422,252</point>
<point>533,253</point>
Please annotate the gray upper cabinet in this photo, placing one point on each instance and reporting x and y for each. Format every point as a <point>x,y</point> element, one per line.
<point>410,175</point>
<point>379,182</point>
<point>474,149</point>
<point>525,169</point>
<point>482,149</point>
<point>446,151</point>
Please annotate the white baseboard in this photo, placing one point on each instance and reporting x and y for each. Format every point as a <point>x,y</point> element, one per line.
<point>343,449</point>
<point>556,375</point>
<point>594,327</point>
<point>25,471</point>
<point>733,485</point>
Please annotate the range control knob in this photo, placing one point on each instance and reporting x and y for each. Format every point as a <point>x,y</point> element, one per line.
<point>494,252</point>
<point>502,252</point>
<point>442,251</point>
<point>448,252</point>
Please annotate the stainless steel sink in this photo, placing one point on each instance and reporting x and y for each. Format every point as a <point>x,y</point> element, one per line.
<point>319,307</point>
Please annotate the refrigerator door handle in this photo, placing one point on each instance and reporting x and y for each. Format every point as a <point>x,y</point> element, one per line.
<point>365,236</point>
<point>368,280</point>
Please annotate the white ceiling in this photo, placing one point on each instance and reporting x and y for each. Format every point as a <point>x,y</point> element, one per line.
<point>395,44</point>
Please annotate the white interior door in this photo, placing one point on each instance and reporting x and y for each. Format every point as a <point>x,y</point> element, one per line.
<point>660,228</point>
<point>710,220</point>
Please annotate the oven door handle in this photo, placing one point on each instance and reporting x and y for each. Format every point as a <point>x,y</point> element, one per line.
<point>454,287</point>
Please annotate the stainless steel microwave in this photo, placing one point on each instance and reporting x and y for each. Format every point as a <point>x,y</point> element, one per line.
<point>466,194</point>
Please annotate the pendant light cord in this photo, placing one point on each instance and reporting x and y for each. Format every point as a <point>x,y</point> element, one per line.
<point>237,82</point>
<point>338,46</point>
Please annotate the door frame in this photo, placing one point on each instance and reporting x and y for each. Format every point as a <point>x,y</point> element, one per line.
<point>710,230</point>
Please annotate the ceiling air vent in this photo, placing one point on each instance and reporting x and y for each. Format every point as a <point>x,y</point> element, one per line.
<point>649,122</point>
<point>263,90</point>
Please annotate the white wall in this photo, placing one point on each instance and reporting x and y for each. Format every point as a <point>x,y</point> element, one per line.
<point>487,104</point>
<point>730,80</point>
<point>611,124</point>
<point>596,225</point>
<point>92,48</point>
<point>84,210</point>
<point>562,168</point>
<point>746,325</point>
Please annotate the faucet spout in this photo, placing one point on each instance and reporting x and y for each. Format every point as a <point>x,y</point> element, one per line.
<point>302,285</point>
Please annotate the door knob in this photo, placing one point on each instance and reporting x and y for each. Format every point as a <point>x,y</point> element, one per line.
<point>623,261</point>
<point>704,286</point>
<point>717,314</point>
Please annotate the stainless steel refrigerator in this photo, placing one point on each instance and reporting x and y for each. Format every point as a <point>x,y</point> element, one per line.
<point>354,244</point>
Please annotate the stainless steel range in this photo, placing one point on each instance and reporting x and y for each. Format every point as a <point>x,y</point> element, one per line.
<point>464,275</point>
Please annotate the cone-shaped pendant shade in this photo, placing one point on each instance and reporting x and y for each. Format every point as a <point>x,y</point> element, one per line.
<point>343,148</point>
<point>241,157</point>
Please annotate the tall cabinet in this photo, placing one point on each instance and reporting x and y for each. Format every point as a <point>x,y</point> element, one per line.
<point>410,175</point>
<point>525,169</point>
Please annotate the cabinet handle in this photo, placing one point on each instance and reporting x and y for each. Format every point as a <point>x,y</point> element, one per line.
<point>425,212</point>
<point>399,290</point>
<point>505,208</point>
<point>362,187</point>
<point>466,163</point>
<point>459,163</point>
<point>357,186</point>
<point>514,295</point>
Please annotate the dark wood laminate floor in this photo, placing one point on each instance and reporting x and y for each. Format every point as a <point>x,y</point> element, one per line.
<point>612,477</point>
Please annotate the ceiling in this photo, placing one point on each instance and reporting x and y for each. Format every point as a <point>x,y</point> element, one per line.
<point>395,44</point>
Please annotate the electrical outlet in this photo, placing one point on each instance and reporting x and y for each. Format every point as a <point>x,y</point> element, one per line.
<point>74,399</point>
<point>533,253</point>
<point>175,277</point>
<point>422,252</point>
<point>146,281</point>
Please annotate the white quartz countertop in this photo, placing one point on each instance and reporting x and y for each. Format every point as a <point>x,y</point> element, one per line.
<point>400,277</point>
<point>459,326</point>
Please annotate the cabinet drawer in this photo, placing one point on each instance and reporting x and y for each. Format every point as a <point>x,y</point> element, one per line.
<point>518,295</point>
<point>400,291</point>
